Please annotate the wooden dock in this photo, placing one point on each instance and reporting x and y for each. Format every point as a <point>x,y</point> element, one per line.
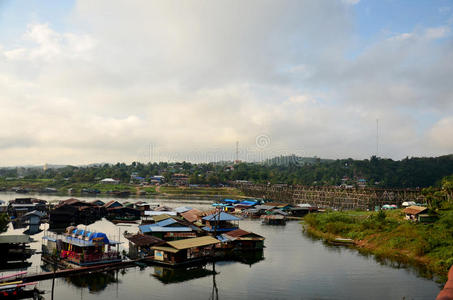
<point>80,270</point>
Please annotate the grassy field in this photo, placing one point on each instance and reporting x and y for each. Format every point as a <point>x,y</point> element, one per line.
<point>389,235</point>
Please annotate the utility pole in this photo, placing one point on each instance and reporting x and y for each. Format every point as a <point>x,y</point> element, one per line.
<point>377,137</point>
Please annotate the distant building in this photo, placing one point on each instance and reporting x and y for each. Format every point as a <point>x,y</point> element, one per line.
<point>109,181</point>
<point>180,179</point>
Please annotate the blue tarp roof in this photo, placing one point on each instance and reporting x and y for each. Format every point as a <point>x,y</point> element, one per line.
<point>100,235</point>
<point>223,217</point>
<point>219,229</point>
<point>247,202</point>
<point>230,200</point>
<point>165,222</point>
<point>222,238</point>
<point>150,228</point>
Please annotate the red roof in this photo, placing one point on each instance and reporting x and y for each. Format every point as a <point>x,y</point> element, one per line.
<point>191,215</point>
<point>144,240</point>
<point>237,233</point>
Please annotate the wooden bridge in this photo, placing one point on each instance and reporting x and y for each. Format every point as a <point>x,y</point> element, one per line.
<point>332,196</point>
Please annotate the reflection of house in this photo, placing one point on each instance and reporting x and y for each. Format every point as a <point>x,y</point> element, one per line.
<point>220,222</point>
<point>185,251</point>
<point>244,240</point>
<point>173,275</point>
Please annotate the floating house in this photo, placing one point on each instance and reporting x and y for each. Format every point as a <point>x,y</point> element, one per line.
<point>123,214</point>
<point>98,202</point>
<point>244,240</point>
<point>220,222</point>
<point>185,251</point>
<point>81,247</point>
<point>14,248</point>
<point>169,229</point>
<point>75,211</point>
<point>140,244</point>
<point>273,219</point>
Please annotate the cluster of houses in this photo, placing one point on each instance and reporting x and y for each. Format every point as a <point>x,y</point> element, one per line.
<point>184,235</point>
<point>75,211</point>
<point>166,236</point>
<point>273,213</point>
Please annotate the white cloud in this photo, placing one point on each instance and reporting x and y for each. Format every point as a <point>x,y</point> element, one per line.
<point>195,76</point>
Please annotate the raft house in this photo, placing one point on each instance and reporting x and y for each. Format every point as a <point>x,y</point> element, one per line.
<point>220,222</point>
<point>81,247</point>
<point>185,251</point>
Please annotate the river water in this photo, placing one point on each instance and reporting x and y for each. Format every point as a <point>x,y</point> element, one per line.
<point>293,266</point>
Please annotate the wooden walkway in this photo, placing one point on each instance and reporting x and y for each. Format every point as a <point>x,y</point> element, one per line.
<point>81,270</point>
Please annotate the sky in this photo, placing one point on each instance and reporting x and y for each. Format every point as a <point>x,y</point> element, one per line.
<point>86,81</point>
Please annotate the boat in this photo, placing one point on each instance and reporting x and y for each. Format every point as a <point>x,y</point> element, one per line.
<point>81,247</point>
<point>16,290</point>
<point>9,276</point>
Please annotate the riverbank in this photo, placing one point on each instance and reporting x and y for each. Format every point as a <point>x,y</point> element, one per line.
<point>62,187</point>
<point>388,235</point>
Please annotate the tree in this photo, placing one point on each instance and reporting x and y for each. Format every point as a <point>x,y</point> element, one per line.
<point>4,220</point>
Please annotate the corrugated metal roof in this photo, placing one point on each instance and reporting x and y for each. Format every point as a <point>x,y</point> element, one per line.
<point>414,210</point>
<point>159,218</point>
<point>194,242</point>
<point>237,232</point>
<point>157,213</point>
<point>166,249</point>
<point>182,209</point>
<point>143,240</point>
<point>191,215</point>
<point>165,223</point>
<point>150,228</point>
<point>221,217</point>
<point>14,239</point>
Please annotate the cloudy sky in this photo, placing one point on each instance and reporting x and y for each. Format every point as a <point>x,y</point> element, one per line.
<point>104,81</point>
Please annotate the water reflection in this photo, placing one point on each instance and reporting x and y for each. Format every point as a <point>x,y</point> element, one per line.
<point>175,275</point>
<point>95,282</point>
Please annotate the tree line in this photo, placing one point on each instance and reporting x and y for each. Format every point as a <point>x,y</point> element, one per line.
<point>415,172</point>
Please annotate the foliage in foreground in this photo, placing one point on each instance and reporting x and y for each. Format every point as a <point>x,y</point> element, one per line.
<point>4,220</point>
<point>389,234</point>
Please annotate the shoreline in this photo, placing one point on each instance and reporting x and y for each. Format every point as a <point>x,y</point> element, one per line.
<point>424,266</point>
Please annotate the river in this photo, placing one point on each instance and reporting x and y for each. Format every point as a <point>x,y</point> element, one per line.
<point>294,266</point>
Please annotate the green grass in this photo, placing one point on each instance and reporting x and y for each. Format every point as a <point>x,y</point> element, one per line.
<point>200,191</point>
<point>62,186</point>
<point>390,235</point>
